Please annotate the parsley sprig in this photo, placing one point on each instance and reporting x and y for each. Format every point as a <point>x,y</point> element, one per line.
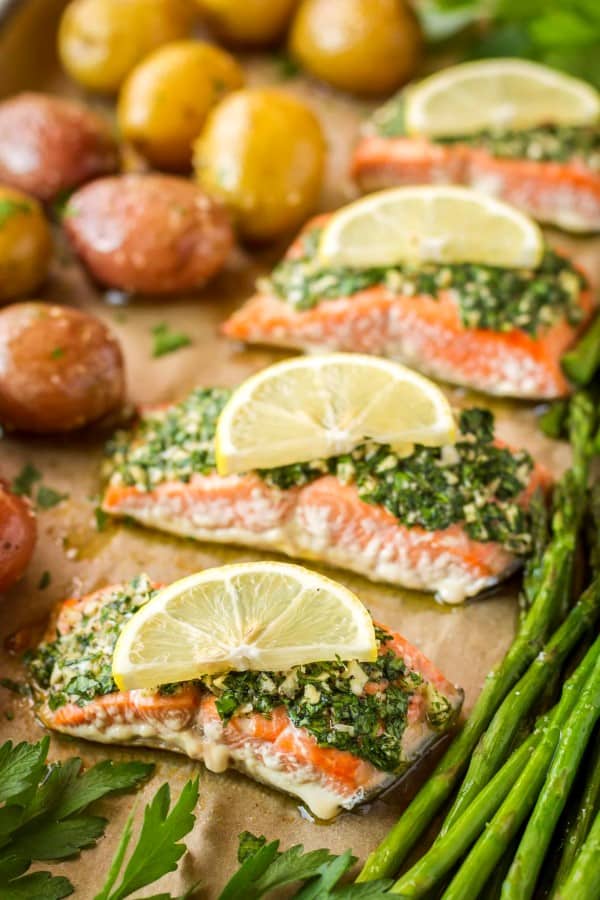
<point>158,848</point>
<point>43,813</point>
<point>264,868</point>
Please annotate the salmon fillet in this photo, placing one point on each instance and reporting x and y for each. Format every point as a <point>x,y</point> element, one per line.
<point>420,330</point>
<point>74,694</point>
<point>566,194</point>
<point>322,518</point>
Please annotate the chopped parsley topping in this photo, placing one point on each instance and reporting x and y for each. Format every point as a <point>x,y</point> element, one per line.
<point>543,143</point>
<point>360,707</point>
<point>474,482</point>
<point>170,444</point>
<point>77,666</point>
<point>491,297</point>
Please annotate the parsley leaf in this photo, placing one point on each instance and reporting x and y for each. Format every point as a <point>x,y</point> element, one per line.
<point>43,813</point>
<point>102,779</point>
<point>264,869</point>
<point>101,518</point>
<point>24,481</point>
<point>158,850</point>
<point>166,341</point>
<point>47,497</point>
<point>45,579</point>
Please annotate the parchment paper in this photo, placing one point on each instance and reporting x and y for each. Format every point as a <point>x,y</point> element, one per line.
<point>464,642</point>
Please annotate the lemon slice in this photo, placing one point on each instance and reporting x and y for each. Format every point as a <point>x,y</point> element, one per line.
<point>497,94</point>
<point>430,223</point>
<point>265,616</point>
<point>313,407</point>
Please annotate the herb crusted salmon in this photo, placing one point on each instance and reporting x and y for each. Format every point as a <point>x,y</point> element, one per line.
<point>502,331</point>
<point>332,734</point>
<point>551,172</point>
<point>451,520</point>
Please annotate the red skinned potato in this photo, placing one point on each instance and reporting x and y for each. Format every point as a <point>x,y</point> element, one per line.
<point>17,536</point>
<point>49,145</point>
<point>152,234</point>
<point>61,368</point>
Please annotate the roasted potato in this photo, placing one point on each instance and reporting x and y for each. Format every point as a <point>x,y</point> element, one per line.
<point>165,101</point>
<point>100,41</point>
<point>263,153</point>
<point>25,244</point>
<point>251,23</point>
<point>361,46</point>
<point>49,145</point>
<point>148,233</point>
<point>61,368</point>
<point>17,536</point>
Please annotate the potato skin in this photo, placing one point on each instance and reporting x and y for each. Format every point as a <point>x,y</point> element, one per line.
<point>251,23</point>
<point>262,152</point>
<point>100,41</point>
<point>362,46</point>
<point>25,244</point>
<point>49,145</point>
<point>61,369</point>
<point>18,533</point>
<point>151,234</point>
<point>165,100</point>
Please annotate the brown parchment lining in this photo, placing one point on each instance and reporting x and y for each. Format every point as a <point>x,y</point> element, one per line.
<point>464,642</point>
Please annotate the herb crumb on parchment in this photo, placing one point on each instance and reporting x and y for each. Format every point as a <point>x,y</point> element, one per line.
<point>165,340</point>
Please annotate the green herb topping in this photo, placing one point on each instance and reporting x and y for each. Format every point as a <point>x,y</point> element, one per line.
<point>77,666</point>
<point>170,444</point>
<point>487,296</point>
<point>474,482</point>
<point>543,143</point>
<point>10,208</point>
<point>360,707</point>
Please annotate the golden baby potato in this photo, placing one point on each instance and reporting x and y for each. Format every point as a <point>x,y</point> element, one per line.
<point>166,98</point>
<point>100,41</point>
<point>262,152</point>
<point>25,244</point>
<point>361,46</point>
<point>251,23</point>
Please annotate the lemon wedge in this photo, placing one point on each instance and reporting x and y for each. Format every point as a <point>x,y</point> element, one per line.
<point>313,407</point>
<point>430,223</point>
<point>264,616</point>
<point>498,94</point>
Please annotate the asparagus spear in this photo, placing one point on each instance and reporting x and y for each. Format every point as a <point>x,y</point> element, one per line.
<point>581,363</point>
<point>495,744</point>
<point>574,738</point>
<point>589,805</point>
<point>534,567</point>
<point>449,849</point>
<point>385,860</point>
<point>494,841</point>
<point>582,881</point>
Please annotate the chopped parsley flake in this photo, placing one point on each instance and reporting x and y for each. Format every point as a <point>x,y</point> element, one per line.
<point>24,481</point>
<point>474,482</point>
<point>45,580</point>
<point>10,208</point>
<point>360,707</point>
<point>491,297</point>
<point>165,341</point>
<point>47,497</point>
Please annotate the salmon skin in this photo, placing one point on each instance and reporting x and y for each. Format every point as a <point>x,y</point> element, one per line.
<point>348,512</point>
<point>388,313</point>
<point>398,706</point>
<point>562,193</point>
